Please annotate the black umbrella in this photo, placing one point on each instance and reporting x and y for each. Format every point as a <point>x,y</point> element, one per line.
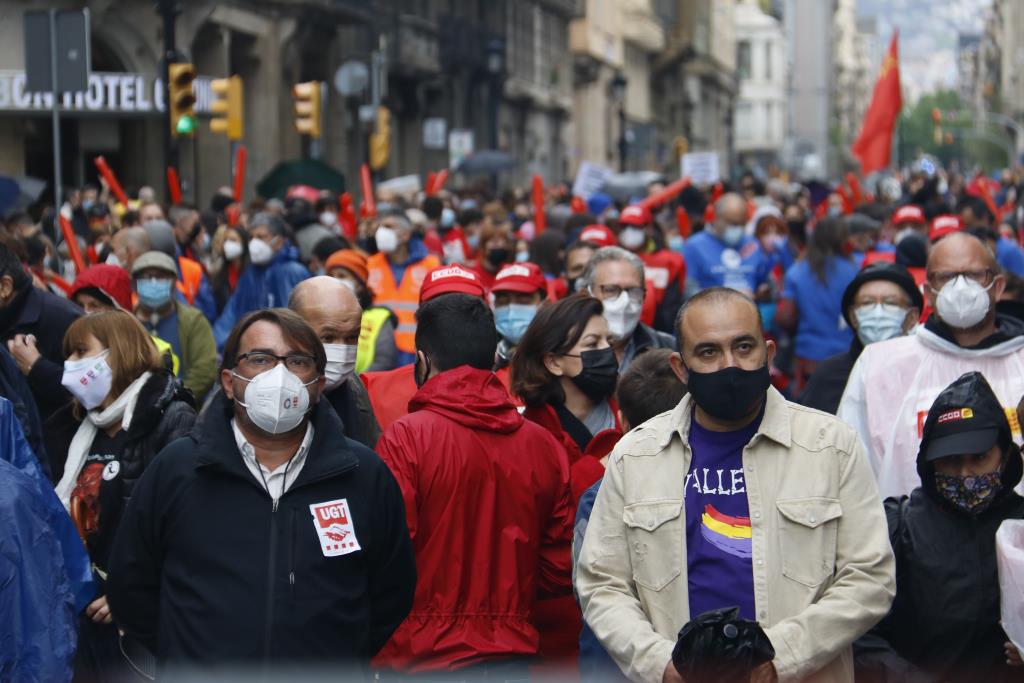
<point>18,193</point>
<point>486,161</point>
<point>626,186</point>
<point>312,172</point>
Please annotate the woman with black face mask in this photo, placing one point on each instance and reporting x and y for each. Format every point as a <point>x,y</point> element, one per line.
<point>497,248</point>
<point>565,371</point>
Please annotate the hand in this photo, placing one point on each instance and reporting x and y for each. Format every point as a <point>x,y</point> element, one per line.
<point>764,674</point>
<point>99,611</point>
<point>1013,657</point>
<point>671,674</point>
<point>23,348</point>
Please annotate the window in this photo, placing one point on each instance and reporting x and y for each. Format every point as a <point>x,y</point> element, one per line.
<point>744,121</point>
<point>743,59</point>
<point>768,60</point>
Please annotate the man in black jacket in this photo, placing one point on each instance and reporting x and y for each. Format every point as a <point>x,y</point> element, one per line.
<point>331,308</point>
<point>32,325</point>
<point>265,536</point>
<point>944,622</point>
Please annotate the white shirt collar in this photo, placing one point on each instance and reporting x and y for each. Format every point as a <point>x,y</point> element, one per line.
<point>281,479</point>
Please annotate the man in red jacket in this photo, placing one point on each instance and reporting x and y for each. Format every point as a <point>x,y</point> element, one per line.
<point>487,501</point>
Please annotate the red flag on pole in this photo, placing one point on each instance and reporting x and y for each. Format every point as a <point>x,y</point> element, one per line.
<point>240,156</point>
<point>539,218</point>
<point>173,185</point>
<point>874,145</point>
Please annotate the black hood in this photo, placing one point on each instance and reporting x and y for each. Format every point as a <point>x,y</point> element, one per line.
<point>1007,328</point>
<point>970,392</point>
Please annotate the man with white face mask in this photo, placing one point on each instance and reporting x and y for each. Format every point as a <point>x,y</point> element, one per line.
<point>663,268</point>
<point>616,277</point>
<point>265,537</point>
<point>330,307</point>
<point>893,383</point>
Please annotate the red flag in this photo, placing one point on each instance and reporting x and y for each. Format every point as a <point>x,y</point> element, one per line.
<point>539,219</point>
<point>874,146</point>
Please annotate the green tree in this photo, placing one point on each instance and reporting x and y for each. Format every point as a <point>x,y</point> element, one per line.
<point>984,146</point>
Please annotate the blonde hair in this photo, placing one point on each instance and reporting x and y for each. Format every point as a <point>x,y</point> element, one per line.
<point>132,350</point>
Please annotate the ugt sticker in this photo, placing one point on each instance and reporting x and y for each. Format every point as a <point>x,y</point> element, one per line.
<point>334,527</point>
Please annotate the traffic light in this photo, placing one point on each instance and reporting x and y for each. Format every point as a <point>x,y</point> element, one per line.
<point>227,107</point>
<point>181,98</point>
<point>380,140</point>
<point>307,108</point>
<point>937,125</point>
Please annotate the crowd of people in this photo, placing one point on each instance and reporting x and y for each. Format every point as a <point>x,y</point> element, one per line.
<point>455,440</point>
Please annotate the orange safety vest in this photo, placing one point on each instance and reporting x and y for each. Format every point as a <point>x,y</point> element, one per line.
<point>403,299</point>
<point>191,278</point>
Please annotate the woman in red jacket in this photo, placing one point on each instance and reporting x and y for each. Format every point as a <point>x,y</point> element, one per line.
<point>565,371</point>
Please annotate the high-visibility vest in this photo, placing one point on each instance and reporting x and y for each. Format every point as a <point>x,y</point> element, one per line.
<point>404,298</point>
<point>373,320</point>
<point>191,278</point>
<point>167,351</point>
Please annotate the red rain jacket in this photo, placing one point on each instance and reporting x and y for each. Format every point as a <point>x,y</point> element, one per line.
<point>490,514</point>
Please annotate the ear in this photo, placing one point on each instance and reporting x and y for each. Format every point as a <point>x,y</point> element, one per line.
<point>227,384</point>
<point>679,368</point>
<point>6,288</point>
<point>623,421</point>
<point>553,364</point>
<point>771,351</point>
<point>913,315</point>
<point>999,286</point>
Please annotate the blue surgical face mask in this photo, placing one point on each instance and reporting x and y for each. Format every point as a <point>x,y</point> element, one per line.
<point>154,293</point>
<point>733,234</point>
<point>878,322</point>
<point>473,241</point>
<point>513,319</point>
<point>676,242</point>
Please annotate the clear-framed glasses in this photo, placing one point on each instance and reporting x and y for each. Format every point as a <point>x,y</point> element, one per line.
<point>939,279</point>
<point>256,362</point>
<point>611,292</point>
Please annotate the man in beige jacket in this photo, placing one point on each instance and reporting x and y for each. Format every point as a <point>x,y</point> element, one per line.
<point>736,497</point>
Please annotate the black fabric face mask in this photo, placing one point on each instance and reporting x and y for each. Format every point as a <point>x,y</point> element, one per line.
<point>599,374</point>
<point>729,394</point>
<point>497,256</point>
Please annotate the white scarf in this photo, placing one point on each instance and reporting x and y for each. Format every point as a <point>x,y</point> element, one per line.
<point>121,410</point>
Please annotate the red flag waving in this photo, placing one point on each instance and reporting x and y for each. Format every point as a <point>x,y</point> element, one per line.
<point>874,145</point>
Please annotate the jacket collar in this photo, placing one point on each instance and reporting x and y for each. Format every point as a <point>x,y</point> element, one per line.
<point>329,455</point>
<point>775,424</point>
<point>23,310</point>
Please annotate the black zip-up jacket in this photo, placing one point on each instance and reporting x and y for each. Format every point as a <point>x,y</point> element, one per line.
<point>207,568</point>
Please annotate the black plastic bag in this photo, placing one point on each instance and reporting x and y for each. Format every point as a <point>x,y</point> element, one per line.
<point>720,647</point>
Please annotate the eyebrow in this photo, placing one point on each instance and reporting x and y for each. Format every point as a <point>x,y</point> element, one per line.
<point>700,346</point>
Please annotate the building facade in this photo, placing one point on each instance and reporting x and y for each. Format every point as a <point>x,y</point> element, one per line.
<point>761,108</point>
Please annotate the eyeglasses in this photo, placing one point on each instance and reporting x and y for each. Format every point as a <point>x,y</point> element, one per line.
<point>260,361</point>
<point>611,292</point>
<point>939,279</point>
<point>888,306</point>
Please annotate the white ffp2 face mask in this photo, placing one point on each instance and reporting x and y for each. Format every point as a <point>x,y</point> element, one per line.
<point>341,363</point>
<point>387,239</point>
<point>632,238</point>
<point>622,315</point>
<point>232,250</point>
<point>260,252</point>
<point>88,379</point>
<point>276,400</point>
<point>963,303</point>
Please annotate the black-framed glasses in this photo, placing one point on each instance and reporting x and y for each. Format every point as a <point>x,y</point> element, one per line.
<point>939,279</point>
<point>261,361</point>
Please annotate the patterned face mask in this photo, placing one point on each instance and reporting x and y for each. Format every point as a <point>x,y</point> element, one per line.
<point>972,495</point>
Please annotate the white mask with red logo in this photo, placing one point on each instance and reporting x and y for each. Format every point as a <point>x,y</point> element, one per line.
<point>276,400</point>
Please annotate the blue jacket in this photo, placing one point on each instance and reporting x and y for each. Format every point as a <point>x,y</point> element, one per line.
<point>44,569</point>
<point>712,263</point>
<point>259,287</point>
<point>15,389</point>
<point>1010,257</point>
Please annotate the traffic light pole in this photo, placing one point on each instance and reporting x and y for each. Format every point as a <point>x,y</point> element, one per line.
<point>169,11</point>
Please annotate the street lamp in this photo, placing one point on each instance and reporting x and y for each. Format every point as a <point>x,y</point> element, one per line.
<point>495,63</point>
<point>617,90</point>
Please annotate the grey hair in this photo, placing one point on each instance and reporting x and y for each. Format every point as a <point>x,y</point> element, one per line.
<point>604,255</point>
<point>398,216</point>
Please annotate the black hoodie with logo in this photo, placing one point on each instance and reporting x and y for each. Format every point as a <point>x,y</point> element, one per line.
<point>944,621</point>
<point>208,569</point>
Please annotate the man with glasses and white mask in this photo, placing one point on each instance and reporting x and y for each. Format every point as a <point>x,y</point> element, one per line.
<point>265,538</point>
<point>894,382</point>
<point>330,307</point>
<point>616,277</point>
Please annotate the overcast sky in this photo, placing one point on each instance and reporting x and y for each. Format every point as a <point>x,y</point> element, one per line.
<point>928,37</point>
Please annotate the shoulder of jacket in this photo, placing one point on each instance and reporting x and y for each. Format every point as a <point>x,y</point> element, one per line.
<point>816,430</point>
<point>650,438</point>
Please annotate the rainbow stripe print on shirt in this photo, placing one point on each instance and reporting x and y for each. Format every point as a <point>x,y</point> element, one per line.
<point>727,533</point>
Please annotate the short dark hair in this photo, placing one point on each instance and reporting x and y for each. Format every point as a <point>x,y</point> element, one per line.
<point>329,244</point>
<point>984,233</point>
<point>714,295</point>
<point>455,330</point>
<point>10,265</point>
<point>545,251</point>
<point>295,330</point>
<point>555,329</point>
<point>648,387</point>
<point>433,207</point>
<point>977,206</point>
<point>470,216</point>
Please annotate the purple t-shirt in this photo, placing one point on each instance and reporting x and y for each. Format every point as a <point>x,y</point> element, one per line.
<point>718,541</point>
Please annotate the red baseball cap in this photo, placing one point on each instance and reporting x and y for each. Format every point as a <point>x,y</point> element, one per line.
<point>943,225</point>
<point>908,214</point>
<point>598,234</point>
<point>451,279</point>
<point>310,194</point>
<point>636,215</point>
<point>526,278</point>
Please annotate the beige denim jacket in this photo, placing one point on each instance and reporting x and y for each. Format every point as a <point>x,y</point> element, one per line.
<point>823,569</point>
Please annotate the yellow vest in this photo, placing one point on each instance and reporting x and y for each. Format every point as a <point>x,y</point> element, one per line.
<point>373,321</point>
<point>166,351</point>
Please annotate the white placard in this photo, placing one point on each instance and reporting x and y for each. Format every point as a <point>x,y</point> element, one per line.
<point>590,178</point>
<point>435,132</point>
<point>701,167</point>
<point>460,146</point>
